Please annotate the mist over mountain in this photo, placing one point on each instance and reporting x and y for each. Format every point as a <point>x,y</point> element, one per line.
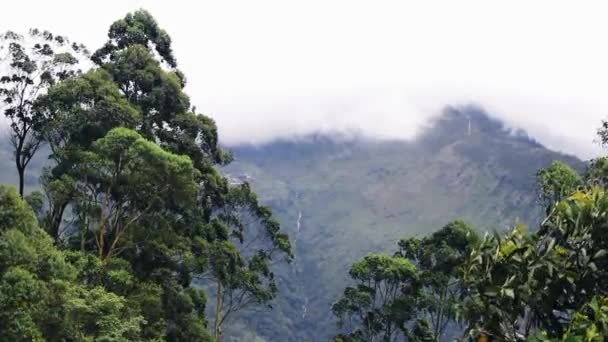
<point>342,198</point>
<point>398,113</point>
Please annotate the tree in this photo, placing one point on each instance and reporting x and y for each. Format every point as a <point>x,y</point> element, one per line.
<point>503,278</point>
<point>71,116</point>
<point>522,283</point>
<point>41,296</point>
<point>125,178</point>
<point>590,324</point>
<point>439,258</point>
<point>556,182</point>
<point>128,195</point>
<point>577,226</point>
<point>137,168</point>
<point>383,302</point>
<point>29,67</point>
<point>597,173</point>
<point>236,237</point>
<point>246,239</point>
<point>138,28</point>
<point>420,302</point>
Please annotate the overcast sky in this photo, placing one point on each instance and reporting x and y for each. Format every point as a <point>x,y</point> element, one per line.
<point>267,69</point>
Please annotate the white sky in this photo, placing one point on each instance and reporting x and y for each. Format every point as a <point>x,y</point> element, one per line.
<point>267,69</point>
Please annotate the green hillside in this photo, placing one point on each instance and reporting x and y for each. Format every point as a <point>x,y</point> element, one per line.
<point>340,200</point>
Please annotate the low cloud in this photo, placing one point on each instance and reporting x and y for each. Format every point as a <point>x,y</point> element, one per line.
<point>273,68</point>
<point>402,113</point>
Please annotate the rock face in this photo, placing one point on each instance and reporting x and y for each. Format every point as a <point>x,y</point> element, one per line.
<point>341,199</point>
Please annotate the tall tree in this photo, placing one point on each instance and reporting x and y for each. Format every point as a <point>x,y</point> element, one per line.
<point>132,204</point>
<point>240,236</point>
<point>70,118</point>
<point>440,258</point>
<point>383,302</point>
<point>29,66</point>
<point>126,178</point>
<point>240,253</point>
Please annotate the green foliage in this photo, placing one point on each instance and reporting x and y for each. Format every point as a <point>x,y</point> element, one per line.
<point>578,227</point>
<point>503,277</point>
<point>138,28</point>
<point>41,297</point>
<point>556,182</point>
<point>515,286</point>
<point>36,201</point>
<point>15,213</point>
<point>359,197</point>
<point>382,303</point>
<point>597,173</point>
<point>421,332</point>
<point>589,324</point>
<point>134,197</point>
<point>78,111</point>
<point>520,284</point>
<point>440,258</point>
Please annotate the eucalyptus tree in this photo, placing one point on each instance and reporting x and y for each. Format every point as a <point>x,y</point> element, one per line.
<point>240,255</point>
<point>29,65</point>
<point>126,179</point>
<point>382,303</point>
<point>238,237</point>
<point>413,294</point>
<point>71,117</point>
<point>440,258</point>
<point>149,197</point>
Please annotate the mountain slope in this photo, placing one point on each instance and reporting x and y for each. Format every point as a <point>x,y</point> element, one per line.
<point>342,200</point>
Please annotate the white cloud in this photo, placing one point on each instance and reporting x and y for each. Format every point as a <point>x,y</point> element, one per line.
<point>264,69</point>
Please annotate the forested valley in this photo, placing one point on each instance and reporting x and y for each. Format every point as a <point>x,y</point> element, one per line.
<point>136,230</point>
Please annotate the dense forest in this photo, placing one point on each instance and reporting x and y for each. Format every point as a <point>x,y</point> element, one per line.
<point>136,234</point>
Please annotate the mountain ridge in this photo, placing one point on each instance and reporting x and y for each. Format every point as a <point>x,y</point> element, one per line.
<point>451,117</point>
<point>340,200</point>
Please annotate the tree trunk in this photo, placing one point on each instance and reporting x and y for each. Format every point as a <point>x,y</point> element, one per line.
<point>55,221</point>
<point>83,229</point>
<point>21,172</point>
<point>218,313</point>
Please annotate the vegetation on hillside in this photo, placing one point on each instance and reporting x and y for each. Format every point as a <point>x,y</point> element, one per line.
<point>546,285</point>
<point>136,235</point>
<point>133,210</point>
<point>342,199</point>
